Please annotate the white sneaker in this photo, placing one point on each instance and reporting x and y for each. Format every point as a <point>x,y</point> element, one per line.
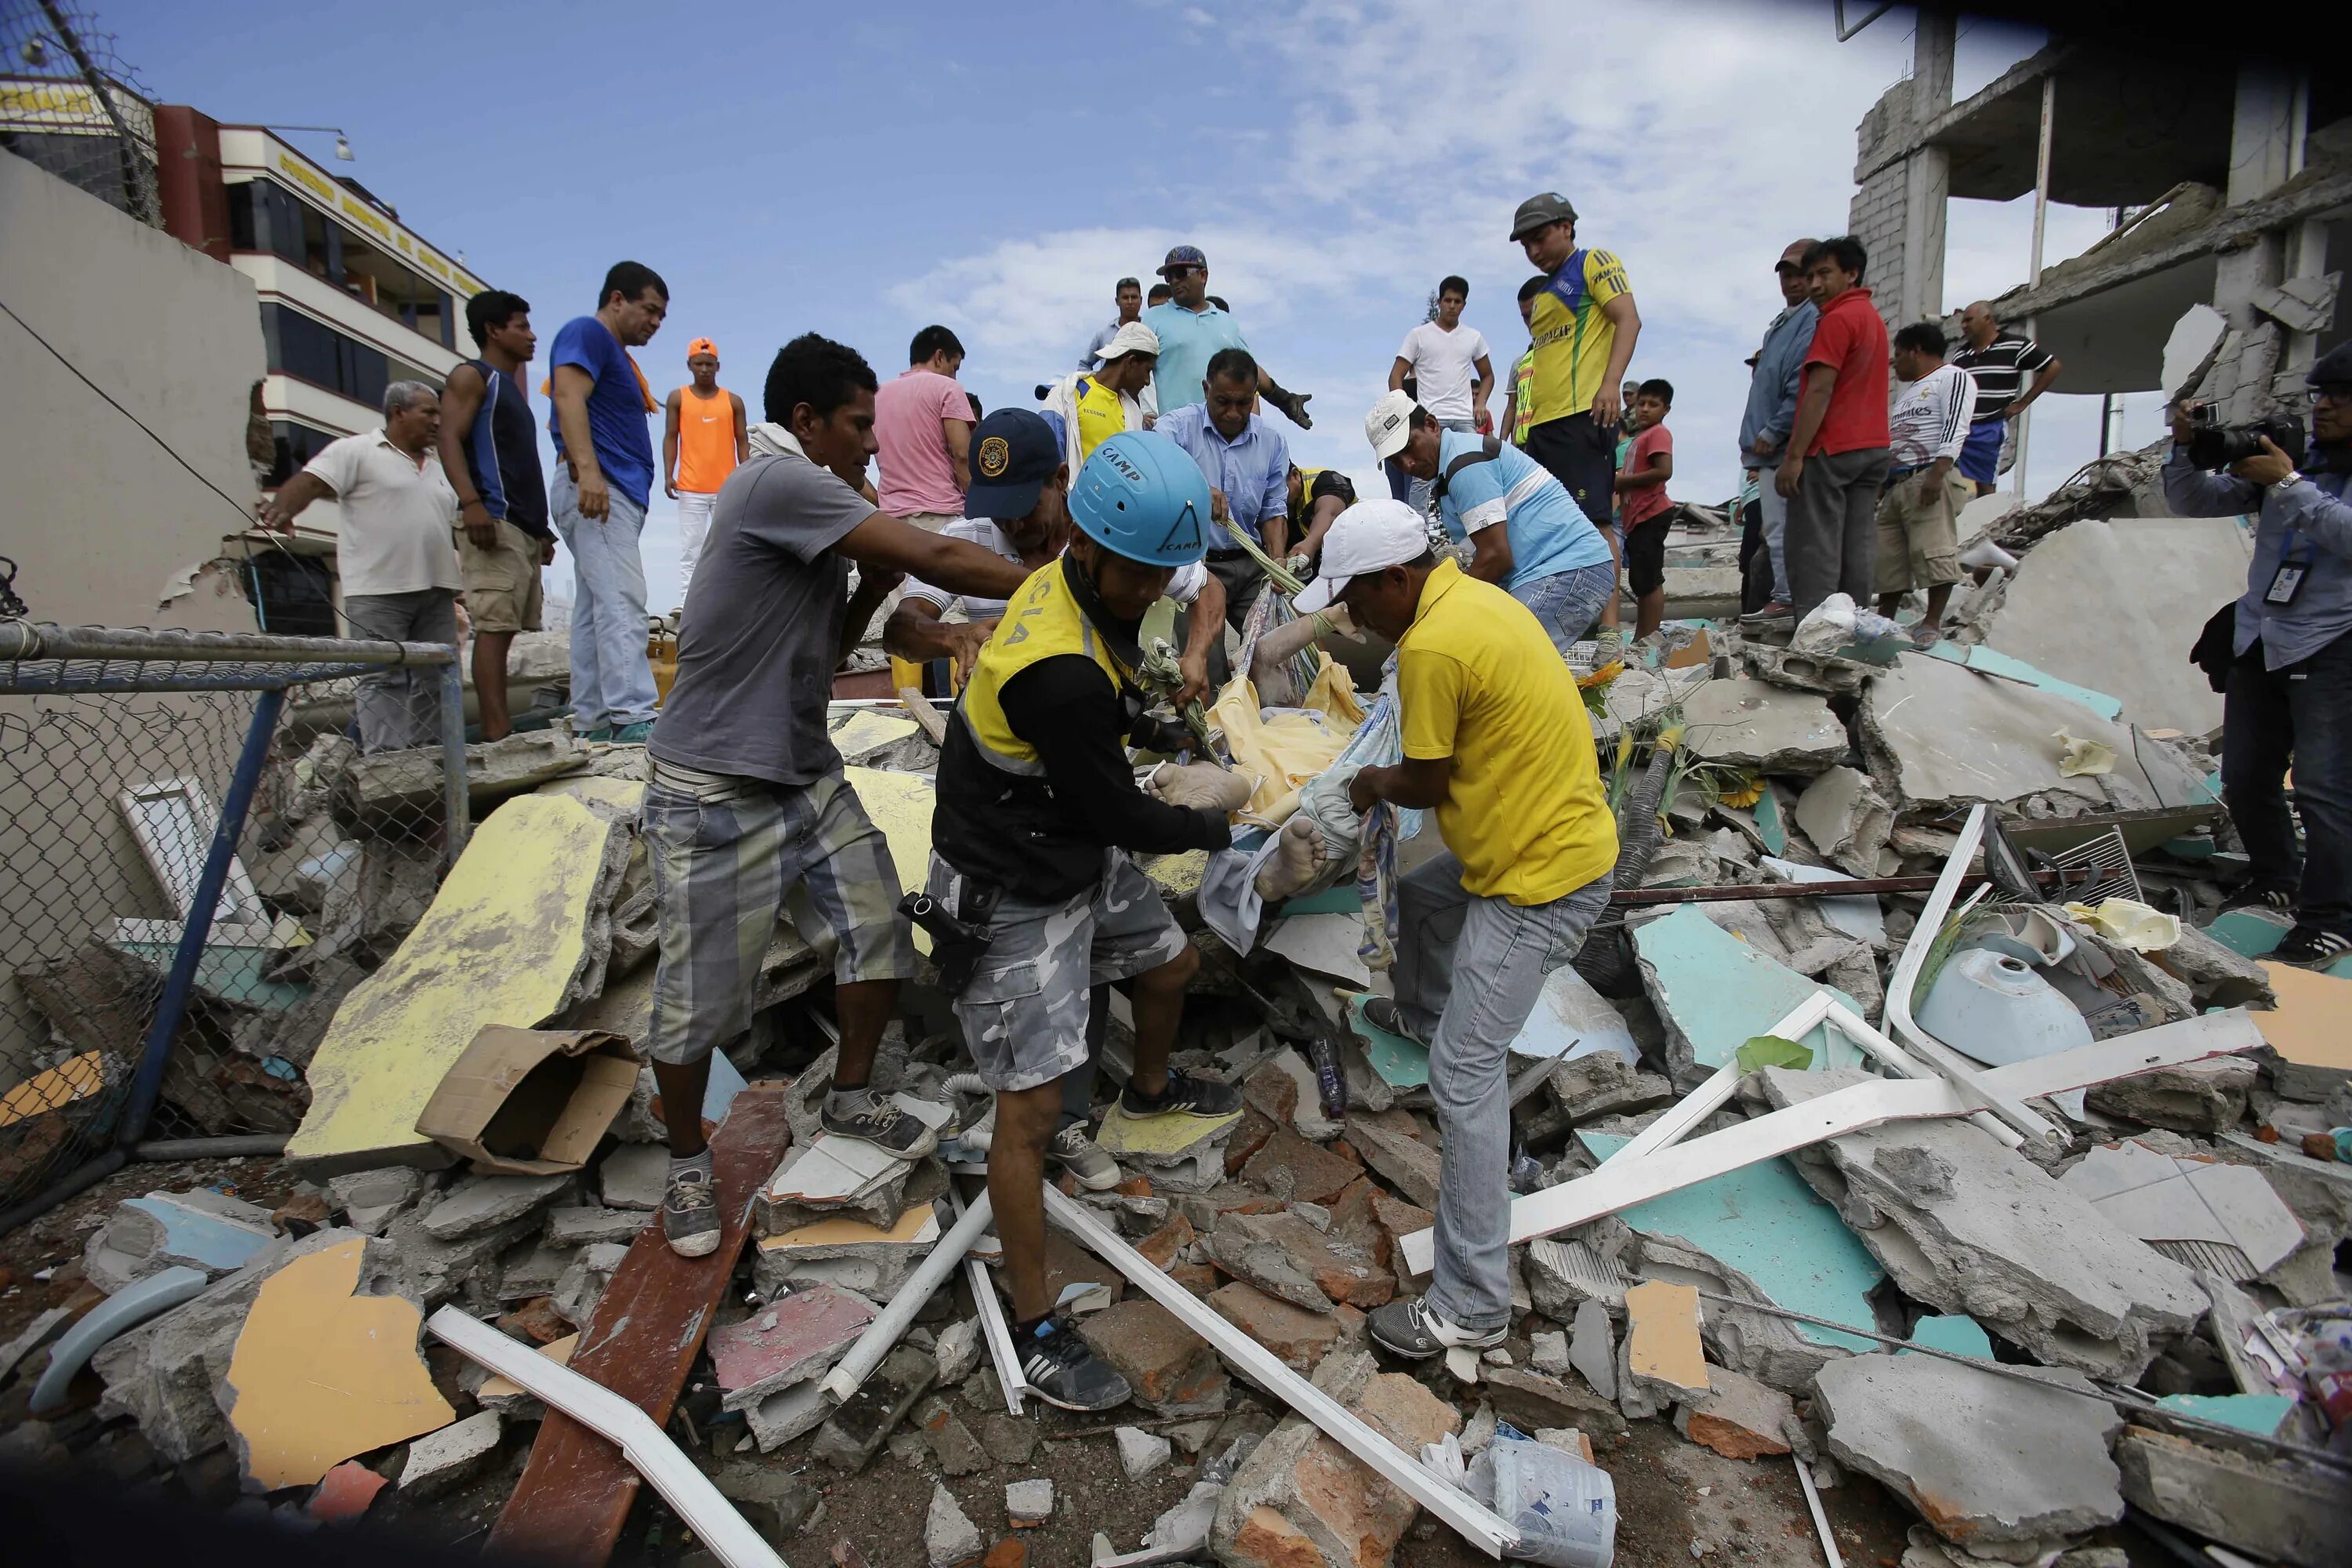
<point>1083,1158</point>
<point>1417,1330</point>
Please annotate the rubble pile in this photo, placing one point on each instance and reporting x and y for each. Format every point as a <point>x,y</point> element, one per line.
<point>1969,1173</point>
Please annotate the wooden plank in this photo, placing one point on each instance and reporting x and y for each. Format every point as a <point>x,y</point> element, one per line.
<point>576,1489</point>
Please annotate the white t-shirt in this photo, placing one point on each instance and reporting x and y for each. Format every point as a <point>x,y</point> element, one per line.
<point>1930,417</point>
<point>1184,587</point>
<point>399,517</point>
<point>1443,365</point>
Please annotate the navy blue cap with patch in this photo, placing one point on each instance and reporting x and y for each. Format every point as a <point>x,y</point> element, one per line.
<point>1013,452</point>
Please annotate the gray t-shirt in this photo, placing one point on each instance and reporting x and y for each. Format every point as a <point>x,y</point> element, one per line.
<point>763,630</point>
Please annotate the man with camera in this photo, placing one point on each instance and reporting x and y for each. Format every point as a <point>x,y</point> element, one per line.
<point>2289,684</point>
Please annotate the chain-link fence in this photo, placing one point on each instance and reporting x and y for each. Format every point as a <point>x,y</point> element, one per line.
<point>70,104</point>
<point>198,862</point>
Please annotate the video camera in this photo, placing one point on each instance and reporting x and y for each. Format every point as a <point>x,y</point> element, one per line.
<point>2214,446</point>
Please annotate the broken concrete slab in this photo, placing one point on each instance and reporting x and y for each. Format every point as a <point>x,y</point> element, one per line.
<point>371,1199</point>
<point>2105,603</point>
<point>1530,1400</point>
<point>586,1278</point>
<point>443,1460</point>
<point>1285,1257</point>
<point>1919,1425</point>
<point>1714,992</point>
<point>207,1231</point>
<point>1172,1371</point>
<point>326,1366</point>
<point>1966,1224</point>
<point>872,1260</point>
<point>1606,1084</point>
<point>792,1340</point>
<point>2276,1508</point>
<point>518,930</point>
<point>1846,818</point>
<point>2168,1201</point>
<point>1940,736</point>
<point>950,1540</point>
<point>632,1176</point>
<point>1298,1338</point>
<point>1738,1417</point>
<point>578,1225</point>
<point>1290,1168</point>
<point>1300,1498</point>
<point>956,1450</point>
<point>393,786</point>
<point>1548,1352</point>
<point>485,1203</point>
<point>781,1417</point>
<point>855,1431</point>
<point>1748,723</point>
<point>2194,1097</point>
<point>1391,1144</point>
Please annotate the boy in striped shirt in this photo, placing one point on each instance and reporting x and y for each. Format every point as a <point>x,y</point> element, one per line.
<point>1918,513</point>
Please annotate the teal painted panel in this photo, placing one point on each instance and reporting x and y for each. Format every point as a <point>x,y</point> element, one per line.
<point>2257,1413</point>
<point>1770,821</point>
<point>1721,990</point>
<point>1400,1063</point>
<point>218,1244</point>
<point>1342,899</point>
<point>1992,661</point>
<point>1959,1335</point>
<point>1765,1222</point>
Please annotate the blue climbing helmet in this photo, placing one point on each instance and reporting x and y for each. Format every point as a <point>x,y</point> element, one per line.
<point>1141,496</point>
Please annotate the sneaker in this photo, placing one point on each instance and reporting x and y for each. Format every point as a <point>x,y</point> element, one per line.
<point>595,732</point>
<point>1417,1330</point>
<point>634,734</point>
<point>1083,1158</point>
<point>1382,1014</point>
<point>689,1214</point>
<point>2251,898</point>
<point>1184,1096</point>
<point>1775,614</point>
<point>1061,1369</point>
<point>2308,947</point>
<point>877,1121</point>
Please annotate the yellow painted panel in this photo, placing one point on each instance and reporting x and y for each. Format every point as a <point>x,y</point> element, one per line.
<point>320,1374</point>
<point>500,944</point>
<point>79,1078</point>
<point>2307,1024</point>
<point>864,729</point>
<point>617,795</point>
<point>853,1232</point>
<point>1170,1137</point>
<point>498,1387</point>
<point>1662,1326</point>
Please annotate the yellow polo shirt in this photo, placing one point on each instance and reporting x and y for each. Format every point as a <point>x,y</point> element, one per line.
<point>1100,416</point>
<point>1479,681</point>
<point>1572,338</point>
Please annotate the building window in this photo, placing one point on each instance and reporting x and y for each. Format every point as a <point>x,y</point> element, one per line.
<point>299,345</point>
<point>294,444</point>
<point>265,216</point>
<point>293,595</point>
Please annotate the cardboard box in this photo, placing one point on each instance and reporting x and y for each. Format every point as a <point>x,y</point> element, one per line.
<point>532,1102</point>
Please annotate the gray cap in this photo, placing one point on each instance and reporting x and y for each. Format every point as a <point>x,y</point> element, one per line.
<point>2333,368</point>
<point>1535,212</point>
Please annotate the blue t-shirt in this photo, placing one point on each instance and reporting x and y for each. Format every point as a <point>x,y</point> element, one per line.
<point>1549,531</point>
<point>1188,341</point>
<point>616,407</point>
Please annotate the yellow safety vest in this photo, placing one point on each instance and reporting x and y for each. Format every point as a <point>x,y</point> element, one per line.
<point>1043,620</point>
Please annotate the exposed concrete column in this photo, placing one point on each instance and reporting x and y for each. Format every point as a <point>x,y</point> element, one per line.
<point>2264,141</point>
<point>1905,185</point>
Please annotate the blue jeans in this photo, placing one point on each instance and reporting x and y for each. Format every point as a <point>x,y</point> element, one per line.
<point>2303,711</point>
<point>1468,971</point>
<point>611,676</point>
<point>1568,603</point>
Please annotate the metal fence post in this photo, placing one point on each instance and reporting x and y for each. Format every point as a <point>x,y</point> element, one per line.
<point>149,1083</point>
<point>456,809</point>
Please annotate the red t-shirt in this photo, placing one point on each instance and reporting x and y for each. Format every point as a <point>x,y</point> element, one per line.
<point>1850,339</point>
<point>1647,503</point>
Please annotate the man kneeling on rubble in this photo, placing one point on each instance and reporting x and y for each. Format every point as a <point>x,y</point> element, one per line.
<point>747,794</point>
<point>1487,708</point>
<point>1037,809</point>
<point>2289,662</point>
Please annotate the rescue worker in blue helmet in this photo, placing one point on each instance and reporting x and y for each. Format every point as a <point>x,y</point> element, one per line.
<point>1032,898</point>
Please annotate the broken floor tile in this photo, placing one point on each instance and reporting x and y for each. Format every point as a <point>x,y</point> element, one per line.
<point>1714,992</point>
<point>442,1460</point>
<point>792,1340</point>
<point>322,1371</point>
<point>2260,1413</point>
<point>1918,1426</point>
<point>1162,1140</point>
<point>1987,659</point>
<point>1966,1224</point>
<point>2182,1206</point>
<point>1662,1336</point>
<point>872,1260</point>
<point>1859,917</point>
<point>344,1493</point>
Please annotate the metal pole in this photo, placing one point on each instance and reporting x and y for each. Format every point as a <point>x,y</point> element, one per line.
<point>2040,220</point>
<point>19,640</point>
<point>456,821</point>
<point>182,981</point>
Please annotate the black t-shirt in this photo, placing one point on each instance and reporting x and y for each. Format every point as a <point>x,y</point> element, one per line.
<point>2001,369</point>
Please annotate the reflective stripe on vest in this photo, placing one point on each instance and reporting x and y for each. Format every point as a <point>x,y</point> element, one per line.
<point>1043,620</point>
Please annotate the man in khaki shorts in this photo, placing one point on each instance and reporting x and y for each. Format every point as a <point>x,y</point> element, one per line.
<point>1919,509</point>
<point>490,450</point>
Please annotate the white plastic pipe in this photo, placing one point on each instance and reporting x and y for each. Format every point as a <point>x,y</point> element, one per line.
<point>992,1325</point>
<point>886,1330</point>
<point>685,1488</point>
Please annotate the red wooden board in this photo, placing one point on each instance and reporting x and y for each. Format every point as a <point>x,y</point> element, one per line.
<point>576,1490</point>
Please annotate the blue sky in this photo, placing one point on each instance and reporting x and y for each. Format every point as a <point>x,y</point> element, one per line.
<point>863,171</point>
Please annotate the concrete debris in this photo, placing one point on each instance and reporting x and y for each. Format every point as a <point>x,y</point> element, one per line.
<point>953,1448</point>
<point>855,1432</point>
<point>1172,1370</point>
<point>2167,1201</point>
<point>1528,1400</point>
<point>1918,1424</point>
<point>1940,736</point>
<point>1300,1498</point>
<point>1294,1170</point>
<point>1285,1257</point>
<point>1848,821</point>
<point>958,1350</point>
<point>2206,1097</point>
<point>1714,993</point>
<point>794,1339</point>
<point>632,1176</point>
<point>583,1281</point>
<point>2277,1508</point>
<point>1605,1084</point>
<point>371,1200</point>
<point>1748,723</point>
<point>1967,1225</point>
<point>1548,1352</point>
<point>950,1540</point>
<point>1028,1504</point>
<point>1300,1339</point>
<point>1141,1452</point>
<point>1593,1350</point>
<point>871,1259</point>
<point>441,1461</point>
<point>203,1230</point>
<point>1391,1144</point>
<point>573,1226</point>
<point>1738,1417</point>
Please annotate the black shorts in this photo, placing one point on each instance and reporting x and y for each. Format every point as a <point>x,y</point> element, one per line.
<point>1646,556</point>
<point>1583,457</point>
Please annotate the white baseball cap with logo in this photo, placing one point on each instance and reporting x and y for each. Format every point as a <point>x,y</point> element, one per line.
<point>1389,424</point>
<point>1370,536</point>
<point>1134,338</point>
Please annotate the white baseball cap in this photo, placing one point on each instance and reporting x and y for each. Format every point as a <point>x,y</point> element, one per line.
<point>1389,424</point>
<point>1370,536</point>
<point>1134,338</point>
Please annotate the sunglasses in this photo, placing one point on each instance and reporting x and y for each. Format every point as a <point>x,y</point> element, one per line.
<point>1174,274</point>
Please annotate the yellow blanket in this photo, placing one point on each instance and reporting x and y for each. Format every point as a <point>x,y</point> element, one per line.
<point>1282,749</point>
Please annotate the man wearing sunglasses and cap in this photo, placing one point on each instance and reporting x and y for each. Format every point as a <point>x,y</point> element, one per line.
<point>1485,703</point>
<point>1191,328</point>
<point>704,436</point>
<point>1037,812</point>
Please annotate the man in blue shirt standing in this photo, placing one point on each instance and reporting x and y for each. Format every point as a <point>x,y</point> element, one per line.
<point>1547,553</point>
<point>603,477</point>
<point>1192,329</point>
<point>1771,414</point>
<point>2289,691</point>
<point>1247,465</point>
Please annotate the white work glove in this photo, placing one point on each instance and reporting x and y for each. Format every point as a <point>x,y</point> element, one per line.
<point>1203,787</point>
<point>1298,563</point>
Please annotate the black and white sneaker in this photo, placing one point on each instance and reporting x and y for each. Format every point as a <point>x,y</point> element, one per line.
<point>689,1214</point>
<point>1382,1014</point>
<point>1061,1369</point>
<point>1417,1330</point>
<point>2276,899</point>
<point>1184,1096</point>
<point>869,1117</point>
<point>2308,947</point>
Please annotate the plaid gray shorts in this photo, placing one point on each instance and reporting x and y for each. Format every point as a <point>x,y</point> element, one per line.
<point>1024,1013</point>
<point>724,852</point>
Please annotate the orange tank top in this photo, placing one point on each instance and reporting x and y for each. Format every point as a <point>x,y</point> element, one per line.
<point>706,440</point>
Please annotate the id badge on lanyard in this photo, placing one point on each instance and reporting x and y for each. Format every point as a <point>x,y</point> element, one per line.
<point>2287,581</point>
